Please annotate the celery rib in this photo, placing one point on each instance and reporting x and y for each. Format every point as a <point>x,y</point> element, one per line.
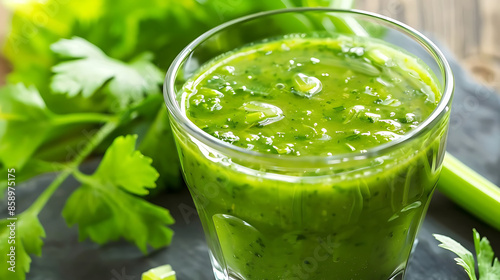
<point>470,190</point>
<point>164,272</point>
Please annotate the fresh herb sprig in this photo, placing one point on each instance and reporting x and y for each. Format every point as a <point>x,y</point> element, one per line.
<point>488,265</point>
<point>107,206</point>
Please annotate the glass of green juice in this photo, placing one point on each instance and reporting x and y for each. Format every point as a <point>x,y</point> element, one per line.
<point>311,141</point>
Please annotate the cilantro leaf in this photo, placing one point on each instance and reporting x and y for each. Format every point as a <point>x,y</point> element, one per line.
<point>105,206</point>
<point>24,123</point>
<point>28,240</point>
<point>488,265</point>
<point>90,70</point>
<point>465,257</point>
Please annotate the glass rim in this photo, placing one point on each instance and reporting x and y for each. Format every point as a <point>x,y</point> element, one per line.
<point>227,148</point>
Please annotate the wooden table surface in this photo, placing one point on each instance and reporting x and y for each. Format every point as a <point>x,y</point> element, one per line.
<point>469,28</point>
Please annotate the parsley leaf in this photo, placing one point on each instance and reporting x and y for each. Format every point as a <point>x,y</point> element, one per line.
<point>488,266</point>
<point>465,257</point>
<point>24,123</point>
<point>106,207</point>
<point>28,240</point>
<point>123,166</point>
<point>90,70</point>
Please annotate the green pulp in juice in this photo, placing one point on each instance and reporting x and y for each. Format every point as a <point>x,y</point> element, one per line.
<point>311,96</point>
<point>301,96</point>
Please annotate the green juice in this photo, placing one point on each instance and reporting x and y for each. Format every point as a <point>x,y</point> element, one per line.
<point>301,97</point>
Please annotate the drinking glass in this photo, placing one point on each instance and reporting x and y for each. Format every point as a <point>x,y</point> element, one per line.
<point>345,216</point>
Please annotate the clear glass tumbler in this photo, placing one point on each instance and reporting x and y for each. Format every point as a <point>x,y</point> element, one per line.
<point>346,216</point>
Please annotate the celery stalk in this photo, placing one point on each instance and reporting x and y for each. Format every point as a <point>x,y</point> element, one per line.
<point>163,272</point>
<point>470,190</point>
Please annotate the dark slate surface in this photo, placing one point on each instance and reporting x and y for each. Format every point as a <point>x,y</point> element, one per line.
<point>474,138</point>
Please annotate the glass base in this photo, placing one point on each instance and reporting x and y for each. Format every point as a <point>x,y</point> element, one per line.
<point>220,274</point>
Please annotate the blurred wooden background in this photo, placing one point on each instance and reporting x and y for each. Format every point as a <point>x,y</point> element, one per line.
<point>469,28</point>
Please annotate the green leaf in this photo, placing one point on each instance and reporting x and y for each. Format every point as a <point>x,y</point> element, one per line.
<point>465,257</point>
<point>123,166</point>
<point>488,265</point>
<point>90,70</point>
<point>106,208</point>
<point>28,240</point>
<point>76,48</point>
<point>24,124</point>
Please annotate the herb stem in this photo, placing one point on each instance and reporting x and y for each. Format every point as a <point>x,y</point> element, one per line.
<point>80,176</point>
<point>42,200</point>
<point>82,118</point>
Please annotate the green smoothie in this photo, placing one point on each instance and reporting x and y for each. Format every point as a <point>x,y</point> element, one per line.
<point>301,97</point>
